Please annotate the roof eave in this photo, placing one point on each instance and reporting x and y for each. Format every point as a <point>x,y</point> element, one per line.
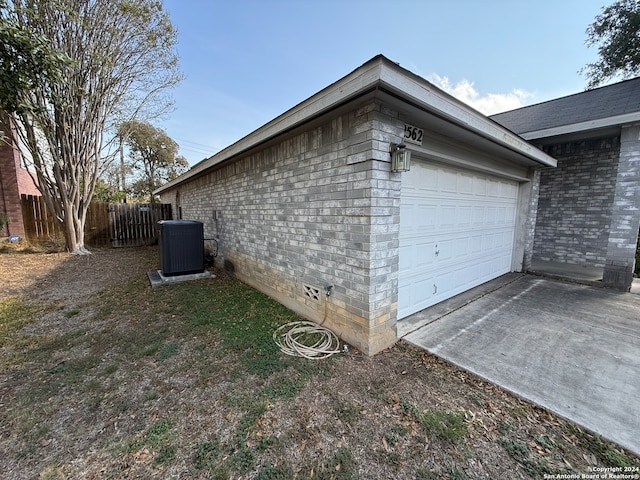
<point>440,103</point>
<point>590,125</point>
<point>379,71</point>
<point>336,94</point>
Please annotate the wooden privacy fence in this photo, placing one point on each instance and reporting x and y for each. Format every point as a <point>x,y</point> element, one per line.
<point>135,224</point>
<point>107,224</point>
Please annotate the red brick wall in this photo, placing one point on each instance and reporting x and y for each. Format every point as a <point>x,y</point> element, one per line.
<point>14,181</point>
<point>26,185</point>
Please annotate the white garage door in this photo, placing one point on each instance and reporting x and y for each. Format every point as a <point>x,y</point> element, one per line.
<point>456,232</point>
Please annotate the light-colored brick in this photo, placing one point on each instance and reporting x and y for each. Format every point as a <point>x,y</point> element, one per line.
<point>301,212</point>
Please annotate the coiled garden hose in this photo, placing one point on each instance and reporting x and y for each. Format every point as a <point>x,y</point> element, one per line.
<point>306,339</point>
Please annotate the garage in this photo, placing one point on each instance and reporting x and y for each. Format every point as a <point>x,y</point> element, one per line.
<point>457,229</point>
<point>311,210</point>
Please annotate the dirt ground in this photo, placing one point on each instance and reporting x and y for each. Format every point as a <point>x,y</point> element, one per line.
<point>62,277</point>
<point>368,410</point>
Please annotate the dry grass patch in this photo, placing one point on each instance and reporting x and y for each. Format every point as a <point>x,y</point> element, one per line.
<point>108,378</point>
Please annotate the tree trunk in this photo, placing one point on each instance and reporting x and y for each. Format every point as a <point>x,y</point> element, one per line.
<point>122,180</point>
<point>74,230</point>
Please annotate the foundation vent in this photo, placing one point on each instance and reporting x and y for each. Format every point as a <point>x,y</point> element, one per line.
<point>312,292</point>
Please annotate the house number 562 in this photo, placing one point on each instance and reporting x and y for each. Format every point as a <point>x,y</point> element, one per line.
<point>413,134</point>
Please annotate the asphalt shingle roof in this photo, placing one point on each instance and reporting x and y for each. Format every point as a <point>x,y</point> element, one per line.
<point>604,102</point>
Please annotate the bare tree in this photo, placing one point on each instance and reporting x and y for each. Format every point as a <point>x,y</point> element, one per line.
<point>122,61</point>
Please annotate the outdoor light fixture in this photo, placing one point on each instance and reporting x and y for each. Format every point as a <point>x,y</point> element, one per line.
<point>400,158</point>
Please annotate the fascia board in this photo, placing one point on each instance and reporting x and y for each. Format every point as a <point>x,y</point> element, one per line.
<point>442,104</point>
<point>362,79</point>
<point>617,120</point>
<point>378,71</point>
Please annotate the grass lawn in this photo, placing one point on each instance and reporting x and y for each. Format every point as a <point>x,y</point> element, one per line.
<point>103,377</point>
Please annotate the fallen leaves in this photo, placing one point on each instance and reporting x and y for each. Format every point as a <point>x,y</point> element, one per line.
<point>359,416</point>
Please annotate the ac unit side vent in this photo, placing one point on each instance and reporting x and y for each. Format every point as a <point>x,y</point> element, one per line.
<point>312,292</point>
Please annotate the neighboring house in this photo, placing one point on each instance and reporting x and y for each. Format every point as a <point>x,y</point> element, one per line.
<point>589,207</point>
<point>307,209</point>
<point>14,182</point>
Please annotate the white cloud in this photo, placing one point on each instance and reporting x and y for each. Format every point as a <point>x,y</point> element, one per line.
<point>488,104</point>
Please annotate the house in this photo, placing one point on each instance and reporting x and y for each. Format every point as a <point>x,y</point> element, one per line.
<point>308,210</point>
<point>15,181</point>
<point>588,211</point>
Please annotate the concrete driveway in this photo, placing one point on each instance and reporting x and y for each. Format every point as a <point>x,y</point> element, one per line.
<point>570,348</point>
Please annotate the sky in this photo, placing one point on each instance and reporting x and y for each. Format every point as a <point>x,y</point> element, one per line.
<point>247,61</point>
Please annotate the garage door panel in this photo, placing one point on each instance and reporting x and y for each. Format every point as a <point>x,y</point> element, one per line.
<point>456,246</point>
<point>461,246</point>
<point>465,216</point>
<point>427,217</point>
<point>405,253</point>
<point>424,181</point>
<point>447,217</point>
<point>478,216</point>
<point>465,184</point>
<point>493,188</point>
<point>476,244</point>
<point>509,190</point>
<point>448,181</point>
<point>457,231</point>
<point>479,187</point>
<point>418,291</point>
<point>446,282</point>
<point>423,291</point>
<point>422,217</point>
<point>445,250</point>
<point>416,256</point>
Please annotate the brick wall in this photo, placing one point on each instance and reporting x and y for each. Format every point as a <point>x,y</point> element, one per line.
<point>530,218</point>
<point>317,209</point>
<point>574,206</point>
<point>9,191</point>
<point>14,181</point>
<point>625,214</point>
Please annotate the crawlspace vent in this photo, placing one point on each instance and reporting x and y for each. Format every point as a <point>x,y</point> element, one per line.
<point>312,292</point>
